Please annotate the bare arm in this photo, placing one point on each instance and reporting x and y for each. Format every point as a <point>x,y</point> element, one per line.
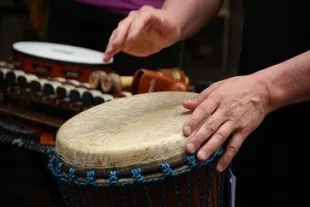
<point>149,30</point>
<point>289,81</point>
<point>192,15</point>
<point>235,107</point>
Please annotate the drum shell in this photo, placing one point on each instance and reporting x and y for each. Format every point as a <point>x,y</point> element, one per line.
<point>198,187</point>
<point>95,157</point>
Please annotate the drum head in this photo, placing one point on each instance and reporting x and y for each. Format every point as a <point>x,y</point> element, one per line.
<point>137,131</point>
<point>60,52</point>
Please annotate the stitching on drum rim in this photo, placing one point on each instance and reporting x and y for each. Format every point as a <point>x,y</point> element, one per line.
<point>59,171</point>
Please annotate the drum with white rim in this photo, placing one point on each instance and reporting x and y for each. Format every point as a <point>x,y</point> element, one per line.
<point>58,60</point>
<point>130,152</point>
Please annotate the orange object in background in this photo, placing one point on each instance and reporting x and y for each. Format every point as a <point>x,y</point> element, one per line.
<point>47,136</point>
<point>175,74</point>
<point>147,81</point>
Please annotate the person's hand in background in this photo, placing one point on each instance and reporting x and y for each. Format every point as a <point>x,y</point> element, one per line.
<point>149,30</point>
<point>142,33</point>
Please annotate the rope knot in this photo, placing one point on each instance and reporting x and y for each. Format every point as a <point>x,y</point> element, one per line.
<point>50,150</point>
<point>91,177</point>
<point>51,160</point>
<point>166,169</point>
<point>191,160</point>
<point>58,168</point>
<point>72,175</point>
<point>113,177</point>
<point>136,174</point>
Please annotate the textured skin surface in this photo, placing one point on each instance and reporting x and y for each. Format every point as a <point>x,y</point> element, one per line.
<point>136,131</point>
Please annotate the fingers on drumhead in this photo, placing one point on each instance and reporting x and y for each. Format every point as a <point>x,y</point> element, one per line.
<point>196,100</point>
<point>204,110</point>
<point>216,141</point>
<point>204,131</point>
<point>231,150</point>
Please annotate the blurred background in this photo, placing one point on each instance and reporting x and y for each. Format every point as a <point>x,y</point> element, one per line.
<point>210,55</point>
<point>213,53</point>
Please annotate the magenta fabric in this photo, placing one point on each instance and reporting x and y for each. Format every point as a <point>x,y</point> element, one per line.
<point>123,6</point>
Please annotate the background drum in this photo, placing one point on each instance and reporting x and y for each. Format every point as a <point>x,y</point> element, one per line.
<point>130,152</point>
<point>48,81</point>
<point>56,60</point>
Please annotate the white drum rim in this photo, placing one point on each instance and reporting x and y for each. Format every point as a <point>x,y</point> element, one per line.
<point>95,57</point>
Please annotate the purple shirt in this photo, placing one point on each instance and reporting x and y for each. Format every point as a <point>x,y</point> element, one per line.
<point>123,6</point>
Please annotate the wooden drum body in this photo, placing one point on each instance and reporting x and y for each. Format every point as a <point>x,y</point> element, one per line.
<point>130,152</point>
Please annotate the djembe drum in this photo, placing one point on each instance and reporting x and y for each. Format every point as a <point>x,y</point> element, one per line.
<point>130,152</point>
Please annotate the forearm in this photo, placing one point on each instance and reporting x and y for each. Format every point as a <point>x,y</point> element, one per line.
<point>289,81</point>
<point>192,15</point>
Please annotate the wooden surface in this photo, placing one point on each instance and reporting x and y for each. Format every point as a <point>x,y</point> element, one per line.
<point>140,130</point>
<point>30,115</point>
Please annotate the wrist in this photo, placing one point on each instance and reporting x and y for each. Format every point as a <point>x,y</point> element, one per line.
<point>190,16</point>
<point>262,89</point>
<point>175,19</point>
<point>275,93</point>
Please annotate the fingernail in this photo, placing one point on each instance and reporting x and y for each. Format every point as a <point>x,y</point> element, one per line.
<point>191,148</point>
<point>220,168</point>
<point>202,155</point>
<point>188,101</point>
<point>106,59</point>
<point>187,130</point>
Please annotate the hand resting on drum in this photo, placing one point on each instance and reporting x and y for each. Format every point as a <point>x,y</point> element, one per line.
<point>229,108</point>
<point>235,107</point>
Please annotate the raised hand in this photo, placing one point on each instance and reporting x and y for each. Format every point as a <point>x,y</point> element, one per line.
<point>142,33</point>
